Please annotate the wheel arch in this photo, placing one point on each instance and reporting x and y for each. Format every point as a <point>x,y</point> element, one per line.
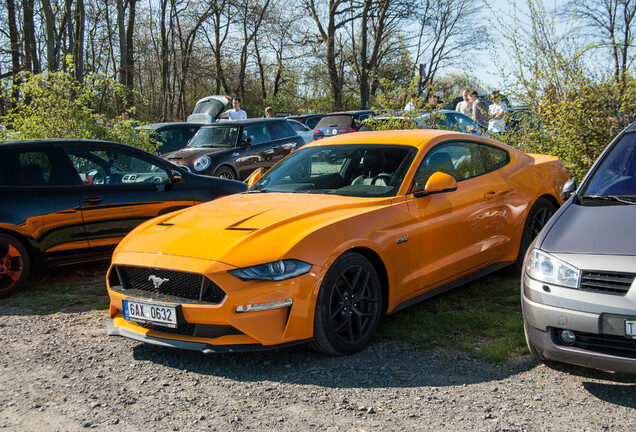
<point>550,198</point>
<point>380,268</point>
<point>228,165</point>
<point>26,242</point>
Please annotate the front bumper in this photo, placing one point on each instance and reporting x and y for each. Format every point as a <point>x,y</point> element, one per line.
<point>598,320</point>
<point>219,327</point>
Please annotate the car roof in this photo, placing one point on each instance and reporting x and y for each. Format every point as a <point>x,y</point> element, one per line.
<point>170,124</point>
<point>245,122</point>
<point>58,141</point>
<point>413,137</point>
<point>351,112</point>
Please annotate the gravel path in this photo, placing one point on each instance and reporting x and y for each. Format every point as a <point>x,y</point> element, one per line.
<point>62,373</point>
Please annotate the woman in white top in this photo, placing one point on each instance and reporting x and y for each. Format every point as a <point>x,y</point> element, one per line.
<point>496,112</point>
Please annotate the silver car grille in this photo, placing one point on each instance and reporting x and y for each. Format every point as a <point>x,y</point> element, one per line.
<point>606,282</point>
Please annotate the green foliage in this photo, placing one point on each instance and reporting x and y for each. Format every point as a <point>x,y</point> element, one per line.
<point>577,126</point>
<point>55,105</point>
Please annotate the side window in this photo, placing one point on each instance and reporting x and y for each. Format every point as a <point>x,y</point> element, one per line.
<point>494,158</point>
<point>466,125</point>
<point>312,121</point>
<point>258,133</point>
<point>462,160</point>
<point>98,166</point>
<point>28,168</point>
<point>280,130</point>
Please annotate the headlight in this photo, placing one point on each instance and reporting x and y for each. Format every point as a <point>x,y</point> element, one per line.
<point>202,163</point>
<point>275,271</point>
<point>546,268</point>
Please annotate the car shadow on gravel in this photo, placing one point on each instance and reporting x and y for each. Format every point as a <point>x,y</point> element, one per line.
<point>600,383</point>
<point>378,366</point>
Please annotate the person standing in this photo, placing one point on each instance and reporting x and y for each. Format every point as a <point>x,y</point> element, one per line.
<point>236,113</point>
<point>496,112</point>
<point>480,110</point>
<point>465,106</point>
<point>269,112</point>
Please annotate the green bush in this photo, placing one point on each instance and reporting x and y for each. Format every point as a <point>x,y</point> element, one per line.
<point>55,105</point>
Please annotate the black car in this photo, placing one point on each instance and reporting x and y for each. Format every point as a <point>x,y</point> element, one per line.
<point>337,123</point>
<point>309,120</point>
<point>235,149</point>
<point>69,201</point>
<point>173,136</point>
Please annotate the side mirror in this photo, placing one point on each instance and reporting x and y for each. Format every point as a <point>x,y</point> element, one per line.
<point>254,177</point>
<point>176,177</point>
<point>569,188</point>
<point>439,182</point>
<point>246,142</point>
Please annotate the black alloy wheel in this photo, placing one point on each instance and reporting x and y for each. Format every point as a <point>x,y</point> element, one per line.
<point>225,173</point>
<point>348,307</point>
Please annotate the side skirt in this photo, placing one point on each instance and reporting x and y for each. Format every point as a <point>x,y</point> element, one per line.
<point>451,285</point>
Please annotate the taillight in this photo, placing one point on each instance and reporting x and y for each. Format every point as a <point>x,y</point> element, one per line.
<point>346,130</point>
<point>316,131</point>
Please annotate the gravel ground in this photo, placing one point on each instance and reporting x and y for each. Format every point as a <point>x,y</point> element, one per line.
<point>61,372</point>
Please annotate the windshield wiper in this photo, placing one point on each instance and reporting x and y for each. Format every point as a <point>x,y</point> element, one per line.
<point>610,198</point>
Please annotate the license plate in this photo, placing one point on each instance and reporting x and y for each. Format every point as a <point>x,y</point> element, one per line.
<point>630,329</point>
<point>150,313</point>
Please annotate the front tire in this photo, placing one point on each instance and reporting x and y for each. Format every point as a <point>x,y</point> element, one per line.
<point>15,265</point>
<point>348,307</point>
<point>225,173</point>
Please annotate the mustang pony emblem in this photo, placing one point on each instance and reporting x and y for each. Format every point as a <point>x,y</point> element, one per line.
<point>157,281</point>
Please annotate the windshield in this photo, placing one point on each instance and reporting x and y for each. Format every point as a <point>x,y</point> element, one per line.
<point>615,176</point>
<point>217,137</point>
<point>362,170</point>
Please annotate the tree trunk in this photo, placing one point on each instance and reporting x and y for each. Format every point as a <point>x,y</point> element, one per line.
<point>78,49</point>
<point>15,48</point>
<point>123,54</point>
<point>52,46</point>
<point>30,50</point>
<point>130,59</point>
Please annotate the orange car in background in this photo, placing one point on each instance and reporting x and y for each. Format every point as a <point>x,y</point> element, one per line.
<point>338,233</point>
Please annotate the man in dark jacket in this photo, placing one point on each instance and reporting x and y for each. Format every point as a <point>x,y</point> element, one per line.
<point>480,110</point>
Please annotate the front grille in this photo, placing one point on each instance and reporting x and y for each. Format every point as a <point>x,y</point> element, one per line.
<point>169,285</point>
<point>601,343</point>
<point>606,282</point>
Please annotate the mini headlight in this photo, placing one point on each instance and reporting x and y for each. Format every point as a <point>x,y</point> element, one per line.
<point>275,270</point>
<point>202,163</point>
<point>545,268</point>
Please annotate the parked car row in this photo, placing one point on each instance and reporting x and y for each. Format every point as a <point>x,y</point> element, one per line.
<point>342,231</point>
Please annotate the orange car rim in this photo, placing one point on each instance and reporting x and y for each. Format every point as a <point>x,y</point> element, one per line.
<point>11,266</point>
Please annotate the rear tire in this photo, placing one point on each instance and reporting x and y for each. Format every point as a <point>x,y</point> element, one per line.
<point>348,307</point>
<point>15,265</point>
<point>538,217</point>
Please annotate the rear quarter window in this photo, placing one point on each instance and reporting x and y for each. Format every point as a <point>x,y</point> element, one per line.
<point>494,157</point>
<point>280,130</point>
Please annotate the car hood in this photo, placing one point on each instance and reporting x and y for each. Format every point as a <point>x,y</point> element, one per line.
<point>245,229</point>
<point>601,230</point>
<point>192,153</point>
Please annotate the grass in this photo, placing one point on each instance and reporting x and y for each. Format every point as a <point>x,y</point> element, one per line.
<point>483,318</point>
<point>65,289</point>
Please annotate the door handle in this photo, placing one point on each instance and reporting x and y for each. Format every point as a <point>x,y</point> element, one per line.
<point>491,195</point>
<point>93,200</point>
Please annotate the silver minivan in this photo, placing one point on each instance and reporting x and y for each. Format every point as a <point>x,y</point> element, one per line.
<point>578,286</point>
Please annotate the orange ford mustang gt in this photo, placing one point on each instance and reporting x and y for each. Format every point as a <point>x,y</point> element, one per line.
<point>338,233</point>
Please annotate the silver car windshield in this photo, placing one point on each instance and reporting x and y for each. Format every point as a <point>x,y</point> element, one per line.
<point>363,170</point>
<point>615,176</point>
<point>215,137</point>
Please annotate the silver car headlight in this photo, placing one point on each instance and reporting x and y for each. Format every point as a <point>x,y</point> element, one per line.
<point>546,268</point>
<point>202,163</point>
<point>275,270</point>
